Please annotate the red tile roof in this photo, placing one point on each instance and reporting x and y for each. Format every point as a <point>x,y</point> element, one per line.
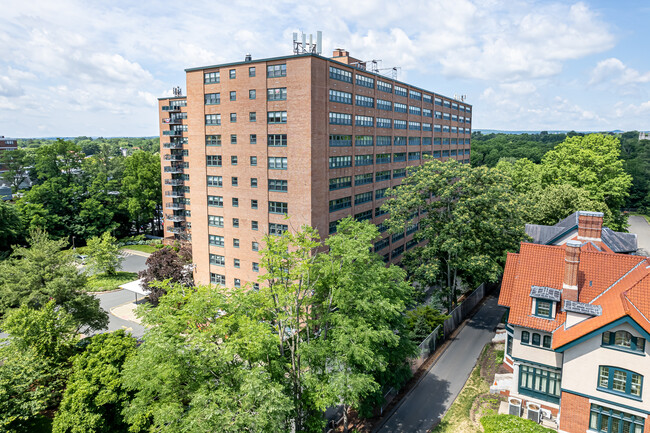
<point>619,283</point>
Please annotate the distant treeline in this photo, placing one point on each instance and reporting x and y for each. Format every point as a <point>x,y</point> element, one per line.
<point>92,146</point>
<point>488,149</point>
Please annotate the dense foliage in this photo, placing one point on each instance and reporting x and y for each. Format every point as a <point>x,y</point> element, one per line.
<point>167,266</point>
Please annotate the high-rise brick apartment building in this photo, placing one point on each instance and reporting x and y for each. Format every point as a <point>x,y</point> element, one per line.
<point>314,138</point>
<point>7,144</point>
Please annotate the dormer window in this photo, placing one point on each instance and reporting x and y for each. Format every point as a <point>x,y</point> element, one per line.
<point>545,300</point>
<point>623,340</point>
<point>543,308</point>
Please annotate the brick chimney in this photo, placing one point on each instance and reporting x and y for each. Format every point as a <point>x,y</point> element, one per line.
<point>590,225</point>
<point>571,262</point>
<point>340,52</point>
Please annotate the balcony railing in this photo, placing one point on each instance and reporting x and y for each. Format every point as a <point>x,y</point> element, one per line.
<point>173,145</point>
<point>173,170</point>
<point>173,133</point>
<point>172,121</point>
<point>177,230</point>
<point>175,206</point>
<point>175,182</point>
<point>173,157</point>
<point>171,108</point>
<point>174,193</point>
<point>175,218</point>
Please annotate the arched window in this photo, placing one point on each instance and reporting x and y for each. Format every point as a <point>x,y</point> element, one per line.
<point>623,340</point>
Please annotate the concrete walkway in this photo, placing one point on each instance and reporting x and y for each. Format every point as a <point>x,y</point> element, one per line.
<point>426,404</point>
<point>641,228</point>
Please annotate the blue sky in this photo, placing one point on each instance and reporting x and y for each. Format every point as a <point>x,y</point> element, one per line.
<point>95,68</point>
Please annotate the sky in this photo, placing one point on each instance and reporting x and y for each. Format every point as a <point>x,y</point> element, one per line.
<point>96,68</point>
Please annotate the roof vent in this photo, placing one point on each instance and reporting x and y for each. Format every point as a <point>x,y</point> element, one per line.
<point>248,58</point>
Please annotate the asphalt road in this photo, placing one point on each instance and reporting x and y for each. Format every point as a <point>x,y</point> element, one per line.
<point>425,405</point>
<point>134,263</point>
<point>114,299</point>
<point>640,226</point>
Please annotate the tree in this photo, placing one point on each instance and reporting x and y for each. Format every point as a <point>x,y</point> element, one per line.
<point>33,276</point>
<point>141,187</point>
<point>16,163</point>
<point>34,362</point>
<point>469,217</point>
<point>549,205</point>
<point>11,227</point>
<point>359,308</point>
<point>206,365</point>
<point>167,266</point>
<point>95,394</point>
<point>104,254</point>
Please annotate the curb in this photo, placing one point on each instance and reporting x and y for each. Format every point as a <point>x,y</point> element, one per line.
<point>105,291</point>
<point>437,356</point>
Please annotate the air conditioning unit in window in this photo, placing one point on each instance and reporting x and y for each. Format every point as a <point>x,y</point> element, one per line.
<point>534,412</point>
<point>514,406</point>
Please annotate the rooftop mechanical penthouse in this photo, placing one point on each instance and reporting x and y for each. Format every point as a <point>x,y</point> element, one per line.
<point>306,136</point>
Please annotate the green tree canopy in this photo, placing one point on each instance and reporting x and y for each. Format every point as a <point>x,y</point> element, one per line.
<point>141,187</point>
<point>104,254</point>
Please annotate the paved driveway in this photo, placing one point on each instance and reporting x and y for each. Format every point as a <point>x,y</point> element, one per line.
<point>114,299</point>
<point>640,226</point>
<point>425,405</point>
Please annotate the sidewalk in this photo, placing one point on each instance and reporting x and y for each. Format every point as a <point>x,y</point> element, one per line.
<point>127,311</point>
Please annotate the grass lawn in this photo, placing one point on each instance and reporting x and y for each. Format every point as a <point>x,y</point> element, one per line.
<point>104,283</point>
<point>143,248</point>
<point>511,423</point>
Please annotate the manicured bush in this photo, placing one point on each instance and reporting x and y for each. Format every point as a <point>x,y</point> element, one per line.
<point>511,423</point>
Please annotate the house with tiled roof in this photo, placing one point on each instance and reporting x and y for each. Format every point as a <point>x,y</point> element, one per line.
<point>577,331</point>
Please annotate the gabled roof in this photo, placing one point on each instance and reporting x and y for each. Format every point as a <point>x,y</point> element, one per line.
<point>611,286</point>
<point>618,242</point>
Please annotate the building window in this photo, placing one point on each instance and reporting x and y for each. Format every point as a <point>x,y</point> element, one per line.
<point>340,119</point>
<point>340,161</point>
<point>213,140</point>
<point>624,340</point>
<point>342,97</point>
<point>399,124</point>
<point>400,91</point>
<point>332,226</point>
<point>379,211</point>
<point>256,267</point>
<point>380,193</point>
<point>382,158</point>
<point>217,260</point>
<point>253,161</point>
<point>277,94</point>
<point>255,246</point>
<point>217,279</point>
<point>212,98</point>
<point>252,94</point>
<point>416,111</point>
<point>399,108</point>
<point>340,203</point>
<point>278,207</point>
<point>278,229</point>
<point>428,99</point>
<point>364,197</point>
<point>543,308</point>
<point>340,183</point>
<point>235,223</point>
<point>363,121</point>
<point>362,179</point>
<point>364,81</point>
<point>415,126</point>
<point>253,182</point>
<point>251,71</point>
<point>382,175</point>
<point>414,156</point>
<point>363,140</point>
<point>414,94</point>
<point>211,77</point>
<point>399,157</point>
<point>380,245</point>
<point>234,181</point>
<point>604,419</point>
<point>237,282</point>
<point>539,383</point>
<point>253,137</point>
<point>383,140</point>
<point>233,160</point>
<point>254,225</point>
<point>384,105</point>
<point>213,160</point>
<point>216,240</point>
<point>509,348</point>
<point>213,119</point>
<point>340,140</point>
<point>383,123</point>
<point>525,337</point>
<point>361,160</point>
<point>273,71</point>
<point>364,101</point>
<point>384,87</point>
<point>277,140</point>
<point>232,74</point>
<point>235,243</point>
<point>277,117</point>
<point>363,216</point>
<point>252,117</point>
<point>277,163</point>
<point>235,202</point>
<point>236,263</point>
<point>233,117</point>
<point>233,95</point>
<point>340,74</point>
<point>215,221</point>
<point>278,185</point>
<point>216,181</point>
<point>619,381</point>
<point>253,204</point>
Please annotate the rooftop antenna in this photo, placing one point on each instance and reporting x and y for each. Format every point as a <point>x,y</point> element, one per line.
<point>460,98</point>
<point>301,46</point>
<point>177,91</point>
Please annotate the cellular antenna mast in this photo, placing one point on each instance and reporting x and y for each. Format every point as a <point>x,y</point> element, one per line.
<point>301,46</point>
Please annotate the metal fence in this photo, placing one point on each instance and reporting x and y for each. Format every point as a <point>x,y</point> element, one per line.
<point>436,338</point>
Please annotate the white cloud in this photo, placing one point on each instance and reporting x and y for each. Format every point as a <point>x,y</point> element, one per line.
<point>615,71</point>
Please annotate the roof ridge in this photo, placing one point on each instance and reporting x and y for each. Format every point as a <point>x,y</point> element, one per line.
<point>617,281</point>
<point>624,294</point>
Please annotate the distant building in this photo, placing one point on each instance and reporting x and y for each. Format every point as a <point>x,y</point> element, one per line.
<point>307,136</point>
<point>5,193</point>
<point>7,144</point>
<point>577,331</point>
<point>644,135</point>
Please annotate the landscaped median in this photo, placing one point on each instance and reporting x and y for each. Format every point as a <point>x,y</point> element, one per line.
<point>475,409</point>
<point>105,282</point>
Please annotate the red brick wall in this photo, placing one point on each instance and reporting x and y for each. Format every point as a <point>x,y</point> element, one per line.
<point>574,415</point>
<point>647,424</point>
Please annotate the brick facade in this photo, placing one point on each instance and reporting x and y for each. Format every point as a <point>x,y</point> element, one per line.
<point>574,413</point>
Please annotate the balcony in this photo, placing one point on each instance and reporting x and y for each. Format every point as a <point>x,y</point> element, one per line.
<point>173,145</point>
<point>175,218</point>
<point>173,170</point>
<point>173,157</point>
<point>175,182</point>
<point>172,121</point>
<point>174,194</point>
<point>173,133</point>
<point>176,230</point>
<point>175,206</point>
<point>171,108</point>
